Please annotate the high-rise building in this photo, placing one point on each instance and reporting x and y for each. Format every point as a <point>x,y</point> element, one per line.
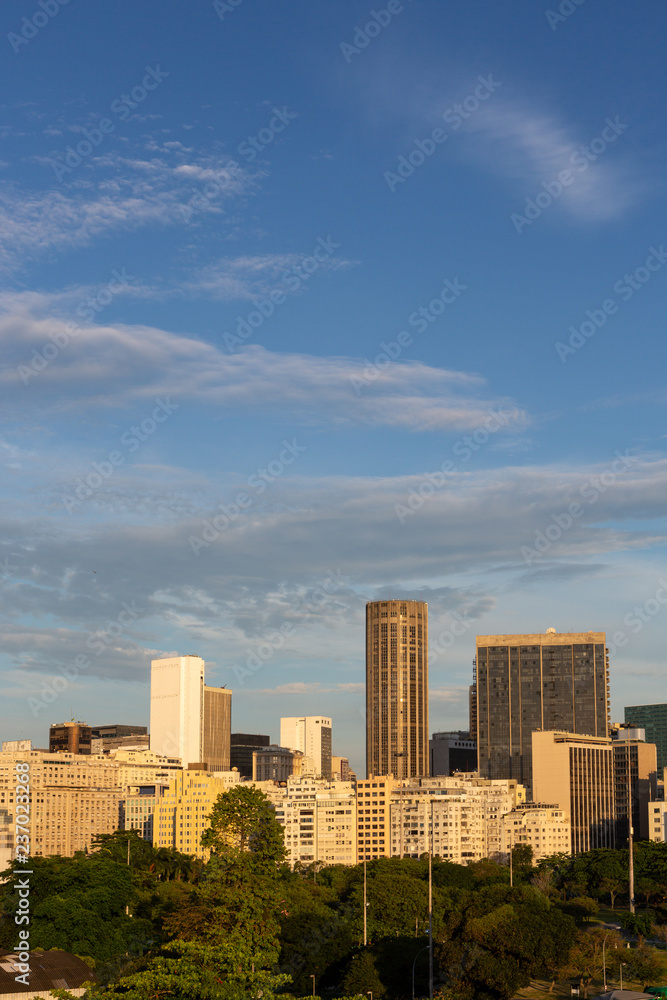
<point>577,772</point>
<point>189,719</point>
<point>397,688</point>
<point>450,752</point>
<point>69,737</point>
<point>242,747</point>
<point>525,683</point>
<point>311,734</point>
<point>653,719</point>
<point>636,778</point>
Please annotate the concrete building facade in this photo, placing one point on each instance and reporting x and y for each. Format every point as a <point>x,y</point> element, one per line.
<point>397,688</point>
<point>542,827</point>
<point>188,719</point>
<point>311,734</point>
<point>73,797</point>
<point>137,809</point>
<point>529,682</point>
<point>577,772</point>
<point>181,813</point>
<point>373,817</point>
<point>456,818</point>
<point>319,820</point>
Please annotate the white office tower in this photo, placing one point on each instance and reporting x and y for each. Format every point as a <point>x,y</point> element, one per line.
<point>311,734</point>
<point>188,719</point>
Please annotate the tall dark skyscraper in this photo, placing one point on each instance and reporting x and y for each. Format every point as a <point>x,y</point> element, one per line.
<point>397,688</point>
<point>526,683</point>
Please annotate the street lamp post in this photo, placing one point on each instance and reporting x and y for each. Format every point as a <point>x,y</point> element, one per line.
<point>425,948</point>
<point>430,909</point>
<point>365,902</point>
<point>621,971</point>
<point>313,978</point>
<point>604,964</point>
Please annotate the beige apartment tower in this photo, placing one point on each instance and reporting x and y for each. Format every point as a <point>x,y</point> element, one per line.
<point>397,688</point>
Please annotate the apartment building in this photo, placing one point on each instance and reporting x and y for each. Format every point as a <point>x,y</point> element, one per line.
<point>319,820</point>
<point>137,809</point>
<point>73,797</point>
<point>373,810</point>
<point>181,813</point>
<point>545,828</point>
<point>457,818</point>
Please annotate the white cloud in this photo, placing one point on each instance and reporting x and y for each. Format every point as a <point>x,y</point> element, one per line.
<point>121,194</point>
<point>123,364</point>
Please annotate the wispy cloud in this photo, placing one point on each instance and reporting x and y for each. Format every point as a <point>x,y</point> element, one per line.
<point>117,365</point>
<point>120,194</point>
<point>531,146</point>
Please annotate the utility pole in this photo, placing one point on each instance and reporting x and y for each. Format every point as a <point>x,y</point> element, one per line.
<point>365,938</point>
<point>430,909</point>
<point>631,859</point>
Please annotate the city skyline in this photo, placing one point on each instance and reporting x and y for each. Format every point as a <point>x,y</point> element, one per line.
<point>290,324</point>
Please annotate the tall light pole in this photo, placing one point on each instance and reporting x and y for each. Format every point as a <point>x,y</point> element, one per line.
<point>430,908</point>
<point>426,948</point>
<point>313,978</point>
<point>631,859</point>
<point>621,964</point>
<point>365,938</point>
<point>604,964</point>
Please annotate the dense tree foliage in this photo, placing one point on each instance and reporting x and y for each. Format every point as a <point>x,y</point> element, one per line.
<point>157,924</point>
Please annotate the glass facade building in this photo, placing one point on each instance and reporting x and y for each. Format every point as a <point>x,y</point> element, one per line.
<point>397,688</point>
<point>531,682</point>
<point>653,719</point>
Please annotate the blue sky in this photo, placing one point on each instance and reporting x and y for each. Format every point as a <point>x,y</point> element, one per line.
<point>304,306</point>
